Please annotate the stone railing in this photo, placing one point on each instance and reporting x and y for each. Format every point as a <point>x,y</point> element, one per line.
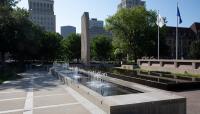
<point>177,66</point>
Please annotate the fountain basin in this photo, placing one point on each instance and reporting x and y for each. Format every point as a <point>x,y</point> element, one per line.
<point>150,101</point>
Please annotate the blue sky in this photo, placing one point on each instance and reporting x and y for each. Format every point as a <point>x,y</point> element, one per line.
<point>69,12</point>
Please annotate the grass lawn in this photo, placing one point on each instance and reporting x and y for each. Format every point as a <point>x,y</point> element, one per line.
<point>188,75</point>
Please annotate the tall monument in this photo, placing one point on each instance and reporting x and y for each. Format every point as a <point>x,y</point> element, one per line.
<point>85,40</point>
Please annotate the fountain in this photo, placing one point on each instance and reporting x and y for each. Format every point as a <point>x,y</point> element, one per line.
<point>76,71</point>
<point>65,66</point>
<point>75,75</point>
<point>119,96</point>
<point>98,84</point>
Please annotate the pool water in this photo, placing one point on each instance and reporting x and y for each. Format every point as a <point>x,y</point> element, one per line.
<point>100,86</point>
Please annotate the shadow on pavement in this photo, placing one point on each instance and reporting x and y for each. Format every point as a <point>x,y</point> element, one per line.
<point>41,80</point>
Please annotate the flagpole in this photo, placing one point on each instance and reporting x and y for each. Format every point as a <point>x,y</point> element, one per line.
<point>158,37</point>
<point>177,37</point>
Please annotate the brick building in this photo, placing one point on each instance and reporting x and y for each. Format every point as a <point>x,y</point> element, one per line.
<point>186,37</point>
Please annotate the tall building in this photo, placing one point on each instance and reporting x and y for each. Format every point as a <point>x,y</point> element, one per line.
<point>131,3</point>
<point>96,28</point>
<point>67,30</point>
<point>42,14</point>
<point>95,23</point>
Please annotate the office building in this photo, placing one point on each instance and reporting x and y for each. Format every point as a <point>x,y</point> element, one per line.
<point>130,3</point>
<point>186,36</point>
<point>67,30</point>
<point>42,14</point>
<point>95,23</point>
<point>96,28</point>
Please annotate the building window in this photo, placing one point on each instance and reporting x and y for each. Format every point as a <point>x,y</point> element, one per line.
<point>31,5</point>
<point>40,5</point>
<point>51,6</point>
<point>44,5</point>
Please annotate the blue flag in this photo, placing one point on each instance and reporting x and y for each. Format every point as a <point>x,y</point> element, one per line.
<point>179,15</point>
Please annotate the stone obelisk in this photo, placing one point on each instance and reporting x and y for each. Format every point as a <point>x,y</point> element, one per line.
<point>85,40</point>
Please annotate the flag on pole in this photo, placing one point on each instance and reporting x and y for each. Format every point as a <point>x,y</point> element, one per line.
<point>179,21</point>
<point>179,15</point>
<point>160,21</point>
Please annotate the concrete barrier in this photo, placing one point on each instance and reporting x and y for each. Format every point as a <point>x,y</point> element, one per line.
<point>175,66</point>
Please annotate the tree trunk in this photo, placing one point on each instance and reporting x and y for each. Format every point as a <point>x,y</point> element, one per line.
<point>3,58</point>
<point>135,55</point>
<point>127,57</point>
<point>2,61</point>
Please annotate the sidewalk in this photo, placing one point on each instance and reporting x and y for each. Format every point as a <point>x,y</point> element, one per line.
<point>193,101</point>
<point>40,93</point>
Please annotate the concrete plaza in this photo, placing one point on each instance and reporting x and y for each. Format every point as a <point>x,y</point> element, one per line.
<point>193,101</point>
<point>40,93</point>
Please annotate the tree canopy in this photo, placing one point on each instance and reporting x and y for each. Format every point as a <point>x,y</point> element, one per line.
<point>24,40</point>
<point>101,48</point>
<point>72,47</point>
<point>7,26</point>
<point>50,47</point>
<point>137,28</point>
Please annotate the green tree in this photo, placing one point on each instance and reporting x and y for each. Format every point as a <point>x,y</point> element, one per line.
<point>6,26</point>
<point>23,39</point>
<point>195,49</point>
<point>119,54</point>
<point>72,47</point>
<point>120,48</point>
<point>8,3</point>
<point>25,44</point>
<point>50,46</point>
<point>101,48</point>
<point>6,35</point>
<point>136,27</point>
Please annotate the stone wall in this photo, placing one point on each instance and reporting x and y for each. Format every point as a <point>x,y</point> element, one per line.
<point>175,66</point>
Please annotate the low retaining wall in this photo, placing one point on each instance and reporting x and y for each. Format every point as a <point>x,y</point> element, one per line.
<point>128,67</point>
<point>175,66</point>
<point>152,101</point>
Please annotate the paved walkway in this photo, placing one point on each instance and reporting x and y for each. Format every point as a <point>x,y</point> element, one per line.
<point>40,93</point>
<point>193,101</point>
